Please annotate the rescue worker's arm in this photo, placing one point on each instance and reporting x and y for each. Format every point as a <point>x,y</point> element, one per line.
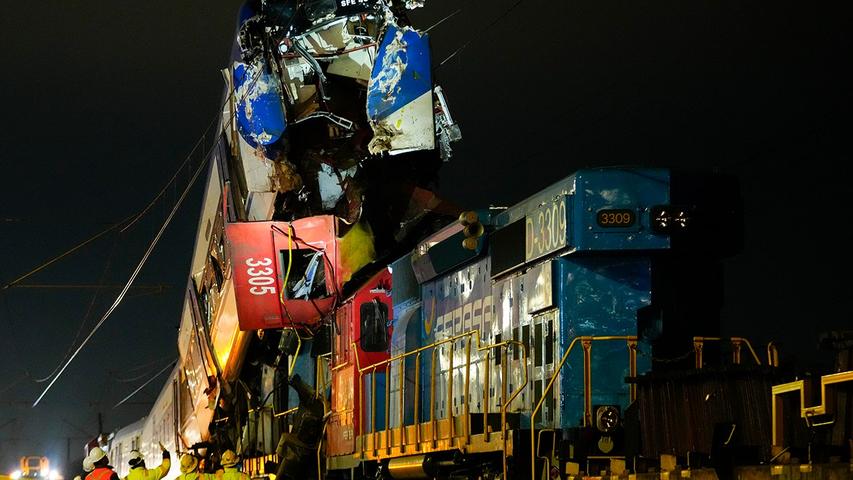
<point>166,465</point>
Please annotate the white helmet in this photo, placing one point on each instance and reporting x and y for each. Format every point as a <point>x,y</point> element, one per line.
<point>136,458</point>
<point>95,455</point>
<point>87,465</point>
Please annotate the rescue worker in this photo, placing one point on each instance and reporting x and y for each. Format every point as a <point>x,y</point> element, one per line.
<point>138,470</point>
<point>87,467</point>
<point>101,469</point>
<point>189,469</point>
<point>229,463</point>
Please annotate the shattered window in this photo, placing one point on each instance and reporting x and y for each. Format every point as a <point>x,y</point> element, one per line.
<point>306,278</point>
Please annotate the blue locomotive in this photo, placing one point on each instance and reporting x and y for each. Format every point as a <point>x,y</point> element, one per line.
<point>526,329</point>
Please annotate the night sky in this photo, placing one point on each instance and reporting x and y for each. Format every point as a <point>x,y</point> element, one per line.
<point>102,104</point>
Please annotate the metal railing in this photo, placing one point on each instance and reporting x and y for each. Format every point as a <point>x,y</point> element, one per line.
<point>586,344</point>
<point>737,344</point>
<point>470,338</point>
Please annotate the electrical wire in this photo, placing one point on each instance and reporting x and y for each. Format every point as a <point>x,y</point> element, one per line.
<point>85,317</point>
<point>127,222</point>
<point>133,276</point>
<point>482,31</point>
<point>154,377</point>
<point>154,242</point>
<point>141,375</point>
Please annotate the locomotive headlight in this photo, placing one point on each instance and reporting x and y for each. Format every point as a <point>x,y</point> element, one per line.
<point>670,218</point>
<point>15,475</point>
<point>607,418</point>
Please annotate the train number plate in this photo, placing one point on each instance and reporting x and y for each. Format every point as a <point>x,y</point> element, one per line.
<point>615,218</point>
<point>546,229</point>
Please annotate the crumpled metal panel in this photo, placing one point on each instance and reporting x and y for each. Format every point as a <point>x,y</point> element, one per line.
<point>399,94</point>
<point>260,112</point>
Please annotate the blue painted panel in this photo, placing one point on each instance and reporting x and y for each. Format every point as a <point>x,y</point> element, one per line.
<point>401,73</point>
<point>636,190</point>
<point>260,112</point>
<point>599,296</point>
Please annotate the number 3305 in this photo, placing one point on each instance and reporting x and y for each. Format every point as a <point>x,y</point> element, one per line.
<point>260,276</point>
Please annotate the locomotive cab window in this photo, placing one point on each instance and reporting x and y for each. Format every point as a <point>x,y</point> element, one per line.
<point>374,326</point>
<point>305,273</point>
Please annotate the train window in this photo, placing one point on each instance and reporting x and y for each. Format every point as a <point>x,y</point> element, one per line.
<point>217,271</point>
<point>374,326</point>
<point>525,338</point>
<point>306,275</point>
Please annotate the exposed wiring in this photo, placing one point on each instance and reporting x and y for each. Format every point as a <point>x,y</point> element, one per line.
<point>289,263</point>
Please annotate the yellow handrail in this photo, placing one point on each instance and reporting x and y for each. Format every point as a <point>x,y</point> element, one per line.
<point>471,336</point>
<point>630,339</point>
<point>736,342</point>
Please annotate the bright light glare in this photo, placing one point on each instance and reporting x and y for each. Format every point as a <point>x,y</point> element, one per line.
<point>16,475</point>
<point>54,475</point>
<point>44,472</point>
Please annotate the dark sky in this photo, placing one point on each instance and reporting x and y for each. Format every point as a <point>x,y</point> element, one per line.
<point>104,99</point>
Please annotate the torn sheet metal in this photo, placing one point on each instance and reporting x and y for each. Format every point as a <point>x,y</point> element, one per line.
<point>260,113</point>
<point>446,129</point>
<point>332,184</point>
<point>399,94</point>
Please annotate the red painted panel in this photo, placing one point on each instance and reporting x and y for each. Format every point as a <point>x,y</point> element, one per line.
<point>346,401</point>
<point>259,261</point>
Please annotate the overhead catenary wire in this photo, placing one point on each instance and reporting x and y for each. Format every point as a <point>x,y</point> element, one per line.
<point>133,276</point>
<point>153,377</point>
<point>482,31</point>
<point>130,220</point>
<point>206,157</point>
<point>86,316</point>
<point>148,367</point>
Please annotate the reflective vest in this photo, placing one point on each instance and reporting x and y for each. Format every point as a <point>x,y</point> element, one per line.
<point>101,473</point>
<point>231,473</point>
<point>197,476</point>
<point>140,473</point>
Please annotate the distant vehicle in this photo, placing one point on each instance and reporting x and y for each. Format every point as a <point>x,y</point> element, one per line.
<point>35,467</point>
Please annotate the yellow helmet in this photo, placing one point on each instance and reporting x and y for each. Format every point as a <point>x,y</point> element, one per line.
<point>188,463</point>
<point>229,458</point>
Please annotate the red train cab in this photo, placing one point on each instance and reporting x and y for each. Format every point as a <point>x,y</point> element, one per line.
<point>290,274</point>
